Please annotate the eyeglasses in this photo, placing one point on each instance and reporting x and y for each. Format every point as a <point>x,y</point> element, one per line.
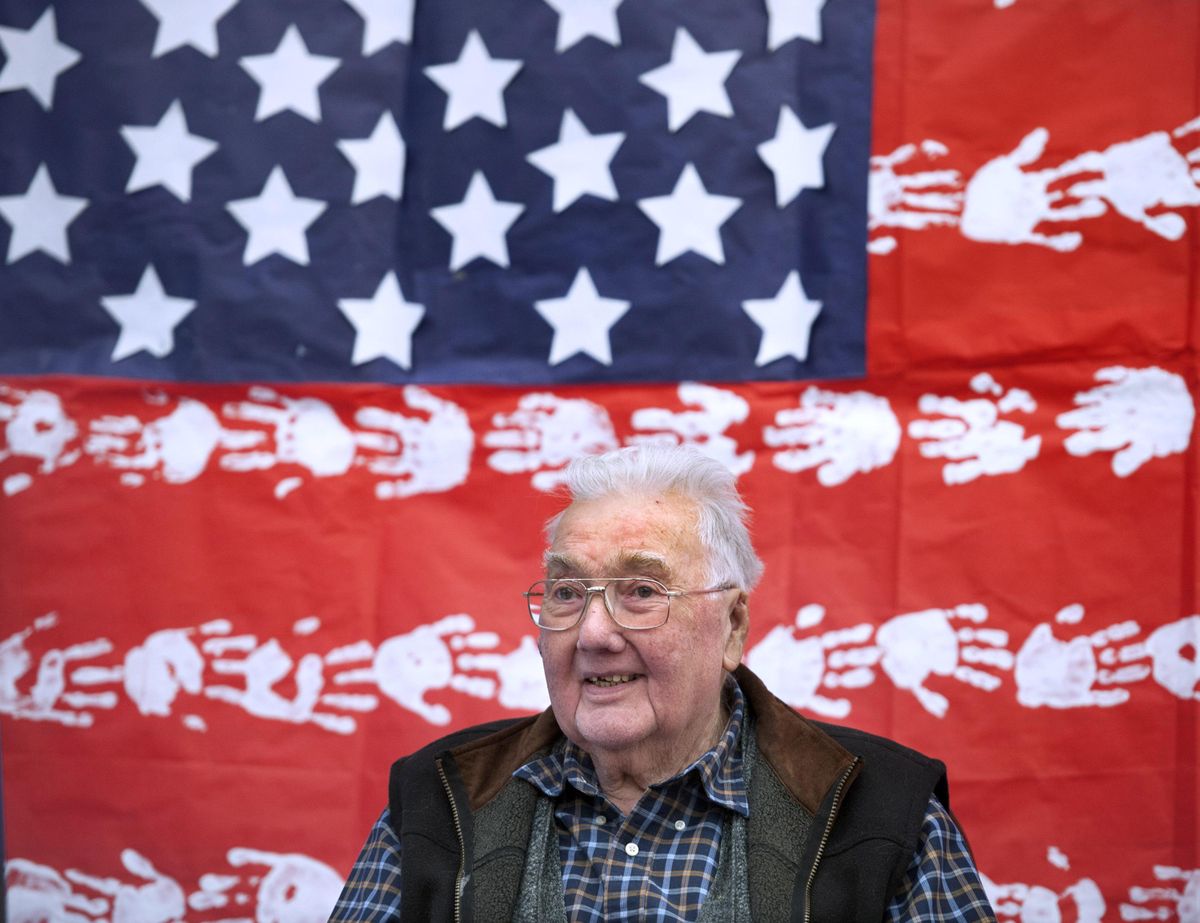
<point>636,603</point>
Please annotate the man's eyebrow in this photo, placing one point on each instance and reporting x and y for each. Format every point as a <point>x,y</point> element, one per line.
<point>558,563</point>
<point>642,563</point>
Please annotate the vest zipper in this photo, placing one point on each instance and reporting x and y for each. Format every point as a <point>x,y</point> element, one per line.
<point>462,846</point>
<point>833,812</point>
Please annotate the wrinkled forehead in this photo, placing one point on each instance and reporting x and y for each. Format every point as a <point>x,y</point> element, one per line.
<point>624,563</point>
<point>651,536</point>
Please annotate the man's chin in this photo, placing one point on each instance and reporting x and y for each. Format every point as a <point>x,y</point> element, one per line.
<point>611,725</point>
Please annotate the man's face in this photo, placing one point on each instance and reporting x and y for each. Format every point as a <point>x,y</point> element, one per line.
<point>666,706</point>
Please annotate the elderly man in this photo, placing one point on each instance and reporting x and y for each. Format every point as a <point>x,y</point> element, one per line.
<point>664,782</point>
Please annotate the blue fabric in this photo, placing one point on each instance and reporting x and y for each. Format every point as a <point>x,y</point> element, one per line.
<point>942,883</point>
<point>278,318</point>
<point>372,892</point>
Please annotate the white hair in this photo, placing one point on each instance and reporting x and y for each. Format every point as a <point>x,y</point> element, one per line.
<point>685,472</point>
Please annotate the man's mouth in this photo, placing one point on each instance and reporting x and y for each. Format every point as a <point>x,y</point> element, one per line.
<point>612,679</point>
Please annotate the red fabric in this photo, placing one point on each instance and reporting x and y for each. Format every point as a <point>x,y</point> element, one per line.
<point>1077,806</point>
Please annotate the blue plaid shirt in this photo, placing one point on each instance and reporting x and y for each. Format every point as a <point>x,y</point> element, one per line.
<point>657,863</point>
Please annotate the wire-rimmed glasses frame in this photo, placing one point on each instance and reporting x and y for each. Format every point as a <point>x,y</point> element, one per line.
<point>640,603</point>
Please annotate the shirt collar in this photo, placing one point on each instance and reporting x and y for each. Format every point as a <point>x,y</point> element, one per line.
<point>719,770</point>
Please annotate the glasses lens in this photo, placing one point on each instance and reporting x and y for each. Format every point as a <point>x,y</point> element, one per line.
<point>556,604</point>
<point>639,602</point>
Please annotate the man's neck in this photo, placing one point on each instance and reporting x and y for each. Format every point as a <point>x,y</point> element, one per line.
<point>625,776</point>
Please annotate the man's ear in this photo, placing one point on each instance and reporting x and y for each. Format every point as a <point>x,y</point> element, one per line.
<point>739,627</point>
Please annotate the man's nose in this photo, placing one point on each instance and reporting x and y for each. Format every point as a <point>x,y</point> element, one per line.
<point>596,627</point>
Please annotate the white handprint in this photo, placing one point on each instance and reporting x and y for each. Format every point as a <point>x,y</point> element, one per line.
<point>153,673</point>
<point>1168,647</point>
<point>263,667</point>
<point>971,433</point>
<point>1146,174</point>
<point>15,661</point>
<point>215,891</point>
<point>305,432</point>
<point>1166,901</point>
<point>522,679</point>
<point>1005,203</point>
<point>796,667</point>
<point>52,689</point>
<point>839,434</point>
<point>407,667</point>
<point>917,645</point>
<point>40,894</point>
<point>1088,670</point>
<point>37,427</point>
<point>156,899</point>
<point>420,455</point>
<point>1138,413</point>
<point>916,200</point>
<point>296,889</point>
<point>158,668</point>
<point>544,433</point>
<point>1038,904</point>
<point>175,447</point>
<point>716,410</point>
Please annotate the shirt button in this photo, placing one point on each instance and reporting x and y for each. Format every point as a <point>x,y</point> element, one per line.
<point>601,819</point>
<point>679,825</point>
<point>631,849</point>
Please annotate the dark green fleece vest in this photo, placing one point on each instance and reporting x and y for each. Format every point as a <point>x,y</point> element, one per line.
<point>859,862</point>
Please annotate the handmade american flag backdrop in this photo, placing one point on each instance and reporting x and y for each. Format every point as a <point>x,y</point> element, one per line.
<point>305,305</point>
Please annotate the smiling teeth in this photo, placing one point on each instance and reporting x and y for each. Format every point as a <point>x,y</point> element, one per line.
<point>612,680</point>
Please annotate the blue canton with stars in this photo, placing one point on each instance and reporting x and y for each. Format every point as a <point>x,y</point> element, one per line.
<point>435,191</point>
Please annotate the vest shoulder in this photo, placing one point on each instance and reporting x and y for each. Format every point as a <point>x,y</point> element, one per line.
<point>894,778</point>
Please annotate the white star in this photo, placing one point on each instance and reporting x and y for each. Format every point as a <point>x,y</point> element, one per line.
<point>581,321</point>
<point>276,220</point>
<point>693,81</point>
<point>478,224</point>
<point>378,161</point>
<point>39,219</point>
<point>384,21</point>
<point>796,156</point>
<point>689,218</point>
<point>383,323</point>
<point>578,19</point>
<point>578,163</point>
<point>166,153</point>
<point>475,84</point>
<point>786,321</point>
<point>187,22</point>
<point>35,58</point>
<point>289,77</point>
<point>789,19</point>
<point>148,317</point>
